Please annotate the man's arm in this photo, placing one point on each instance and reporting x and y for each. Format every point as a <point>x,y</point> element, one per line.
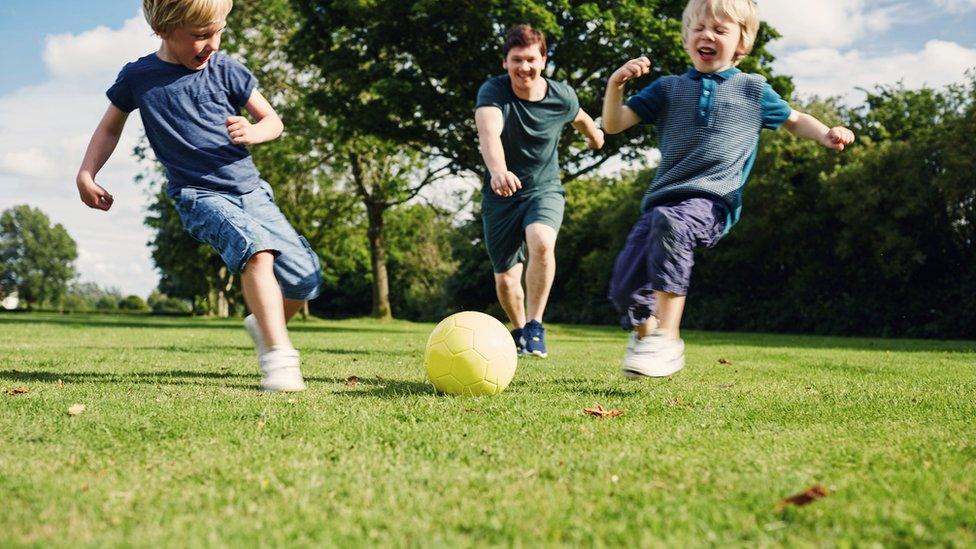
<point>806,126</point>
<point>585,125</point>
<point>267,127</point>
<point>490,124</point>
<point>100,148</point>
<point>617,117</point>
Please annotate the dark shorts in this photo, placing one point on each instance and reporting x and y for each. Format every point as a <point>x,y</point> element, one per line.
<point>505,220</point>
<point>239,226</point>
<point>659,254</point>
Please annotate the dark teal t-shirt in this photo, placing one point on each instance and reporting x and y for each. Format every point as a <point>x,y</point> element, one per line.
<point>530,136</point>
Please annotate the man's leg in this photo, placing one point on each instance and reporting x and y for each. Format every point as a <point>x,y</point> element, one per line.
<point>541,241</point>
<point>263,297</point>
<point>508,286</point>
<point>292,306</point>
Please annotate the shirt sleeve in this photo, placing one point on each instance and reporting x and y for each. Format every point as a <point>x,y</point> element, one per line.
<point>649,102</point>
<point>120,94</point>
<point>775,110</point>
<point>574,104</point>
<point>240,83</point>
<point>489,95</point>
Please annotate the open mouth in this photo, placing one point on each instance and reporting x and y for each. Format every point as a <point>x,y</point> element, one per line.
<point>707,53</point>
<point>202,58</point>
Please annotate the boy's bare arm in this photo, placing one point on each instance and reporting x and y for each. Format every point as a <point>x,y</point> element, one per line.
<point>617,117</point>
<point>100,148</point>
<point>806,126</point>
<point>490,124</point>
<point>267,127</point>
<point>585,125</point>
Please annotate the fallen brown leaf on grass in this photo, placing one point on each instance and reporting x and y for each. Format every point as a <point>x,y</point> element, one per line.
<point>724,361</point>
<point>18,391</point>
<point>76,409</point>
<point>805,497</point>
<point>352,381</point>
<point>600,411</point>
<point>261,422</point>
<point>60,384</point>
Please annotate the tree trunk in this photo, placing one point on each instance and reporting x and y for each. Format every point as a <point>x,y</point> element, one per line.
<point>377,253</point>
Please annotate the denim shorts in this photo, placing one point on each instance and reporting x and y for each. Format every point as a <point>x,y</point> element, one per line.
<point>239,226</point>
<point>659,254</point>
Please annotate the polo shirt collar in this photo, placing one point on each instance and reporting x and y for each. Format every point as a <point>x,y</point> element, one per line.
<point>720,75</point>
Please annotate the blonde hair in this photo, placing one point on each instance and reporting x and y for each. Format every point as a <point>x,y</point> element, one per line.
<point>166,15</point>
<point>743,12</point>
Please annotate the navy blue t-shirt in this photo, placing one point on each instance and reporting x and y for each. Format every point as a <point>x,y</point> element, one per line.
<point>184,113</point>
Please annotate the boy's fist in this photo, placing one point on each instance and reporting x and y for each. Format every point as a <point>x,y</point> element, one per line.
<point>239,130</point>
<point>635,68</point>
<point>837,138</point>
<point>94,196</point>
<point>595,141</point>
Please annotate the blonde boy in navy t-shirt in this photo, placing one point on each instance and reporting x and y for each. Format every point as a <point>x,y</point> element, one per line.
<point>189,96</point>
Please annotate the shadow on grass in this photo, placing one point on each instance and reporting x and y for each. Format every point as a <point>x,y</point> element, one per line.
<point>365,386</point>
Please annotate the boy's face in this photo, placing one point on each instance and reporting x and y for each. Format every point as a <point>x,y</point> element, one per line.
<point>192,46</point>
<point>713,44</point>
<point>524,65</point>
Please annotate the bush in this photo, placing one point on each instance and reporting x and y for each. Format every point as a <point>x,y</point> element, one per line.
<point>107,303</point>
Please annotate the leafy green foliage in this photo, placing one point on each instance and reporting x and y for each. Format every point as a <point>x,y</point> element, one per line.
<point>36,257</point>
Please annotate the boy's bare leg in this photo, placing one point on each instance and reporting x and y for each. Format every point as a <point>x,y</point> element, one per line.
<point>670,307</point>
<point>263,297</point>
<point>508,286</point>
<point>292,306</point>
<point>541,241</point>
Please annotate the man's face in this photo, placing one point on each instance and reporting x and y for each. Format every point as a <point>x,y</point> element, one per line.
<point>713,43</point>
<point>193,46</point>
<point>525,65</point>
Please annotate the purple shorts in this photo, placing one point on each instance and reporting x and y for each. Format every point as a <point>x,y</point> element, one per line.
<point>659,254</point>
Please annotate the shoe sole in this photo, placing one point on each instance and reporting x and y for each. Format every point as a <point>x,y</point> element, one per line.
<point>283,389</point>
<point>634,374</point>
<point>536,354</point>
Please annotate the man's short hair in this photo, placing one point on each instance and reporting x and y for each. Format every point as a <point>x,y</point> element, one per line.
<point>523,35</point>
<point>166,15</point>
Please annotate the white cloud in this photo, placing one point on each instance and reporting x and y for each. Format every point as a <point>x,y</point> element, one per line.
<point>97,51</point>
<point>826,23</point>
<point>829,72</point>
<point>44,131</point>
<point>956,6</point>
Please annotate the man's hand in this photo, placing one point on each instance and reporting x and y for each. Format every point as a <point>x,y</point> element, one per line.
<point>505,183</point>
<point>240,130</point>
<point>635,68</point>
<point>93,195</point>
<point>595,141</point>
<point>837,138</point>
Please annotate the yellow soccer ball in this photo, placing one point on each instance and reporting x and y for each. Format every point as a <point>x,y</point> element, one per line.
<point>470,353</point>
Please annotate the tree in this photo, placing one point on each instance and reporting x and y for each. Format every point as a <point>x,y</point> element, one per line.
<point>36,257</point>
<point>409,70</point>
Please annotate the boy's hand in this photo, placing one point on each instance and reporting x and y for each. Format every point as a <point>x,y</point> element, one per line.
<point>94,196</point>
<point>240,130</point>
<point>837,138</point>
<point>505,183</point>
<point>635,68</point>
<point>595,141</point>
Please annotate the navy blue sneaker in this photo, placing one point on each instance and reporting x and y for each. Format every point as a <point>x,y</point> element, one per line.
<point>534,339</point>
<point>517,336</point>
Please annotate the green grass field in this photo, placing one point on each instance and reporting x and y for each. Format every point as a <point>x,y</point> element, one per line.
<point>177,447</point>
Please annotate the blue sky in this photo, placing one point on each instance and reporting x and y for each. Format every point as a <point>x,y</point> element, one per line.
<point>57,57</point>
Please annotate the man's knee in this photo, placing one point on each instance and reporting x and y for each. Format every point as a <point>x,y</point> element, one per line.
<point>509,281</point>
<point>541,241</point>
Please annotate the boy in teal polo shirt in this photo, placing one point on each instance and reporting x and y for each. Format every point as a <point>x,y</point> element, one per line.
<point>520,116</point>
<point>708,123</point>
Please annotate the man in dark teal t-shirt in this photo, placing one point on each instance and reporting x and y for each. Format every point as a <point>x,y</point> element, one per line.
<point>520,116</point>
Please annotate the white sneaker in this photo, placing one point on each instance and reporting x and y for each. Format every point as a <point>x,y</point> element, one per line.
<point>253,330</point>
<point>654,355</point>
<point>281,370</point>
